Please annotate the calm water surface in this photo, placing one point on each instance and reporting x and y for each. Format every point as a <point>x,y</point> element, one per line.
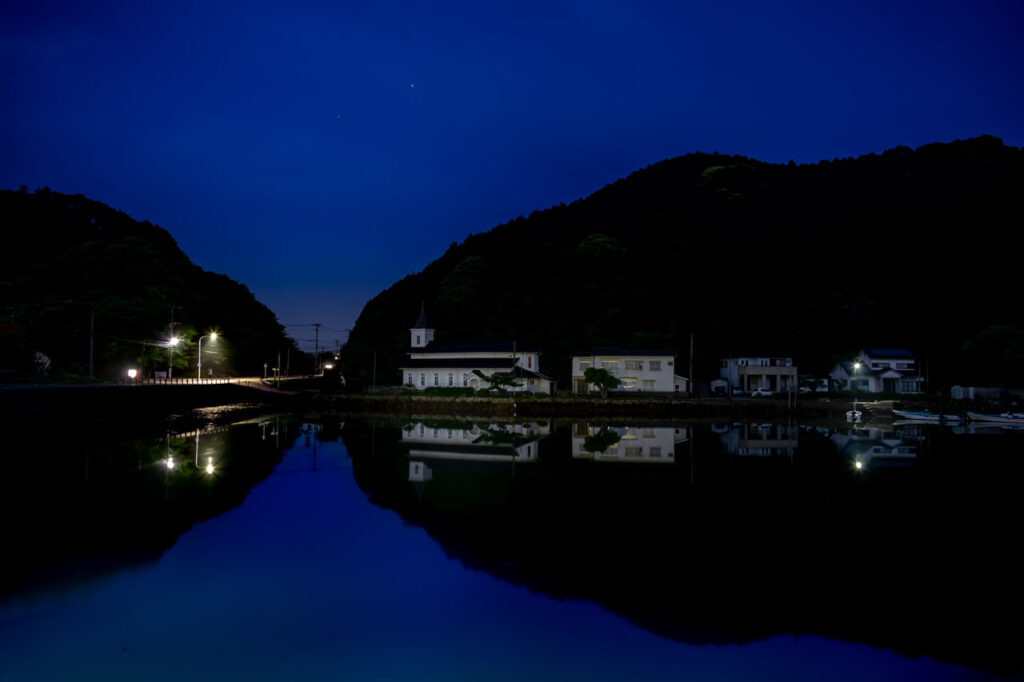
<point>468,550</point>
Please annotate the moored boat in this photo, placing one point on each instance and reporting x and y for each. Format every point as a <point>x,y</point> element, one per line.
<point>927,416</point>
<point>1004,418</point>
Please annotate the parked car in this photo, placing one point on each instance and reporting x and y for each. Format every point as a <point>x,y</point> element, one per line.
<point>760,393</point>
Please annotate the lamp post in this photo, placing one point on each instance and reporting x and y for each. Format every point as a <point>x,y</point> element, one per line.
<point>171,343</point>
<point>199,364</point>
<point>856,366</point>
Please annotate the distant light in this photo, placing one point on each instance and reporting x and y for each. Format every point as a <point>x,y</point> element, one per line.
<point>328,366</point>
<point>132,373</point>
<point>856,365</point>
<point>174,340</point>
<point>213,336</point>
<point>170,462</point>
<point>859,465</point>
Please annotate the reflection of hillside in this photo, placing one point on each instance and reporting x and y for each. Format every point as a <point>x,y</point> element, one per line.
<point>104,504</point>
<point>702,550</point>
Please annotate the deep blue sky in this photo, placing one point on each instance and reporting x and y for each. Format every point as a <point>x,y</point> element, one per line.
<point>317,152</point>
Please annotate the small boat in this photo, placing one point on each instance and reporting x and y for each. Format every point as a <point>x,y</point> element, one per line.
<point>1004,418</point>
<point>927,416</point>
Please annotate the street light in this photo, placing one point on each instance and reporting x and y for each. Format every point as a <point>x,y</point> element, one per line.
<point>854,415</point>
<point>171,343</point>
<point>199,365</point>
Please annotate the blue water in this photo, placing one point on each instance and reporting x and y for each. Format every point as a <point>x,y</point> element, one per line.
<point>307,580</point>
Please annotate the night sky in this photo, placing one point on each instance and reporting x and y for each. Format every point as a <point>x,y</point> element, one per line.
<point>317,152</point>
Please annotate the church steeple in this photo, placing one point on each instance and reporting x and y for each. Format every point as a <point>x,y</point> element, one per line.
<point>421,334</point>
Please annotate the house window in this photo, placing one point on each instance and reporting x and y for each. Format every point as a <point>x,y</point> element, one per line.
<point>655,452</point>
<point>612,366</point>
<point>655,365</point>
<point>451,379</point>
<point>634,452</point>
<point>649,384</point>
<point>585,364</point>
<point>634,365</point>
<point>435,379</point>
<point>628,384</point>
<point>423,379</point>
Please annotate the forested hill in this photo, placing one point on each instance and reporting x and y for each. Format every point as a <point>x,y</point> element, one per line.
<point>65,256</point>
<point>907,248</point>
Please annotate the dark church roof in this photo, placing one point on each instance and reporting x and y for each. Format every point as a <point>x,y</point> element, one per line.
<point>421,321</point>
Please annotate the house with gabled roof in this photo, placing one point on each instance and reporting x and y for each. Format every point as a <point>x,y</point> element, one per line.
<point>878,370</point>
<point>467,364</point>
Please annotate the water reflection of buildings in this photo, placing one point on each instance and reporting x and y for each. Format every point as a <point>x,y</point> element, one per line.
<point>462,444</point>
<point>762,440</point>
<point>627,443</point>
<point>879,446</point>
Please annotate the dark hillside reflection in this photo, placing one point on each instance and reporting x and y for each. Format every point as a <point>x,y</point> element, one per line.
<point>93,504</point>
<point>903,537</point>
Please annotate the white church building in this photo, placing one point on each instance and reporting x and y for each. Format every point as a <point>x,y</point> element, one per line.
<point>466,364</point>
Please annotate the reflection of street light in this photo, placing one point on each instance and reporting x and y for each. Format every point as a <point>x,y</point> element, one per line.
<point>171,343</point>
<point>199,364</point>
<point>209,460</point>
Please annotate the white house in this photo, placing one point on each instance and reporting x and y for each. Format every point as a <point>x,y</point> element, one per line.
<point>465,364</point>
<point>638,370</point>
<point>750,371</point>
<point>892,370</point>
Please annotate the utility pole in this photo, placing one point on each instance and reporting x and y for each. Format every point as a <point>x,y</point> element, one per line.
<point>691,365</point>
<point>316,349</point>
<point>92,330</point>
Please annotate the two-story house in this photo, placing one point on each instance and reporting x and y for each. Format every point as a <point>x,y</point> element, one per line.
<point>638,370</point>
<point>877,370</point>
<point>749,371</point>
<point>467,364</point>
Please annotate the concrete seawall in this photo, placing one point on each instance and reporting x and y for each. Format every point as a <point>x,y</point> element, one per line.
<point>659,408</point>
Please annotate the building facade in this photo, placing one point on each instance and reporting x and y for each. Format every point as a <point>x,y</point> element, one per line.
<point>753,371</point>
<point>467,364</point>
<point>879,370</point>
<point>638,370</point>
